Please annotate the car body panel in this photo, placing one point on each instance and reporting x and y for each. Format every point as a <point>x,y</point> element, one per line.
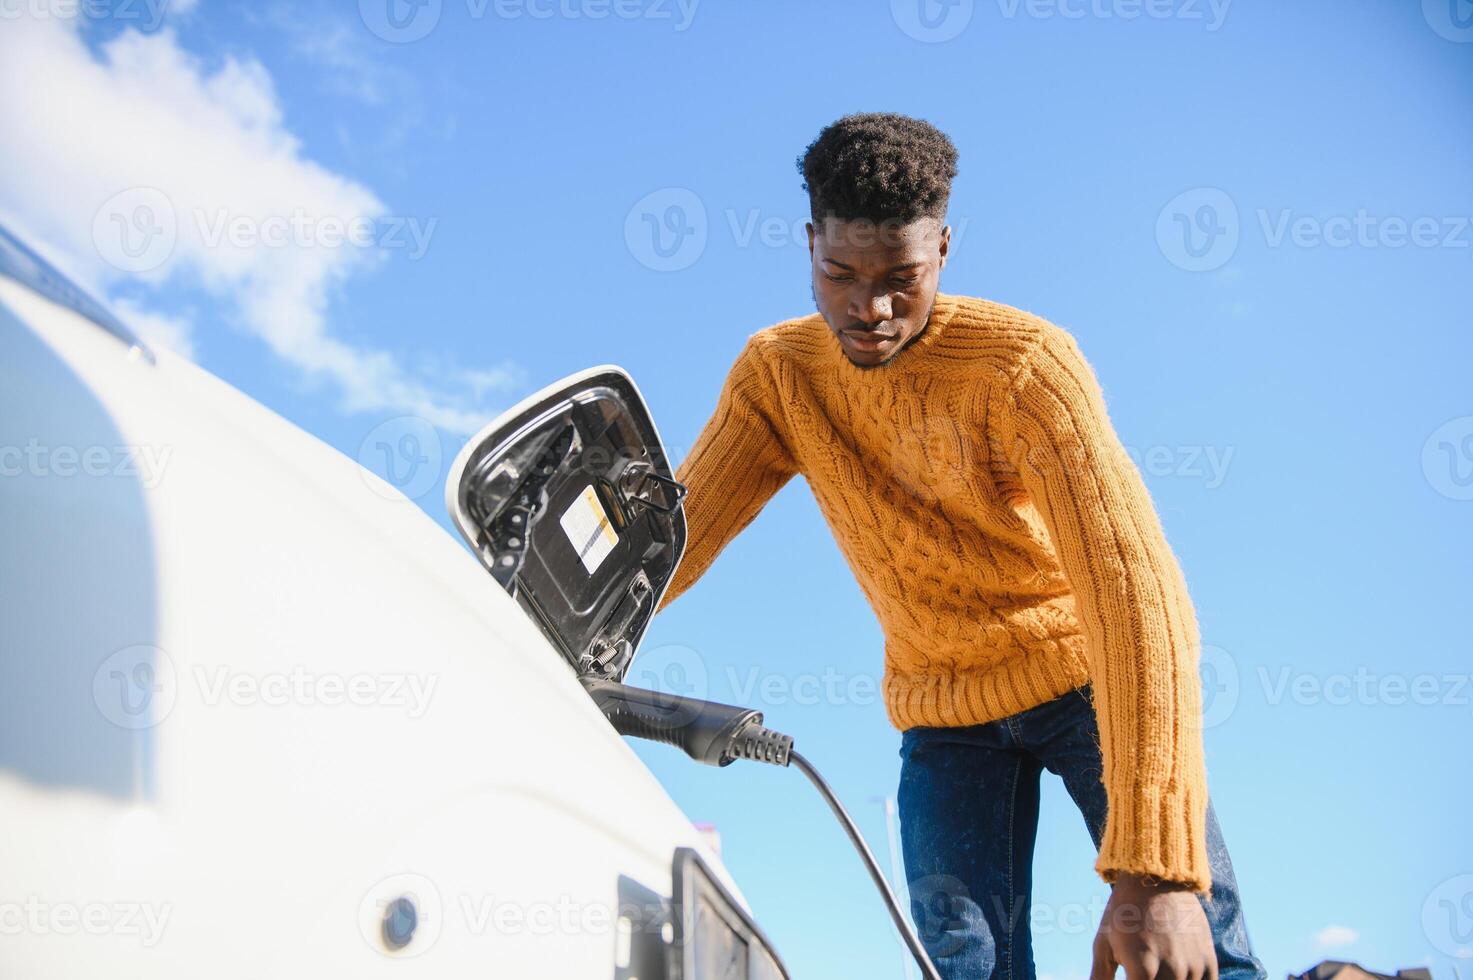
<point>179,738</point>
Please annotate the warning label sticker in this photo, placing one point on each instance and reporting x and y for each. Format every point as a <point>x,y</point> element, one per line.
<point>588,529</point>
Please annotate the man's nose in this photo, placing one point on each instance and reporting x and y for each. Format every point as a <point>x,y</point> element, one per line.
<point>870,307</point>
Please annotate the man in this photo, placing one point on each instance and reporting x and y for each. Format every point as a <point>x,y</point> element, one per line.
<point>1034,615</point>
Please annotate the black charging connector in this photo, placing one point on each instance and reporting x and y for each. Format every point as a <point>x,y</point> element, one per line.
<point>709,732</point>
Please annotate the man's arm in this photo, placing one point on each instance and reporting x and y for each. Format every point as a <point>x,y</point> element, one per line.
<point>737,463</point>
<point>1141,632</point>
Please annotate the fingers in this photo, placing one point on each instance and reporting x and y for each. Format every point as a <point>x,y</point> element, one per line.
<point>1103,966</point>
<point>1146,964</point>
<point>1143,965</point>
<point>1138,963</point>
<point>1179,968</point>
<point>1187,968</point>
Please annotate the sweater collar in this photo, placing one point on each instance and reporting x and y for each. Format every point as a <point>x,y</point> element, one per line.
<point>912,355</point>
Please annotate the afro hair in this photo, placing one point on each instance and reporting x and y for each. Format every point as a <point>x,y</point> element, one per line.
<point>880,166</point>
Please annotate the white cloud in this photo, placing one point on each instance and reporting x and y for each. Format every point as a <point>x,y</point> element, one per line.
<point>348,66</point>
<point>339,50</point>
<point>144,167</point>
<point>1331,937</point>
<point>156,329</point>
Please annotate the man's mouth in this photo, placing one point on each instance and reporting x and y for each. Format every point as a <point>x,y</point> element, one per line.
<point>865,340</point>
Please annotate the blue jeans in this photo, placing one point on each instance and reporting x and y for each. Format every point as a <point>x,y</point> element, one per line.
<point>968,804</point>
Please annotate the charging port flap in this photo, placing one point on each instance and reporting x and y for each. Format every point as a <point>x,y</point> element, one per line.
<point>570,503</point>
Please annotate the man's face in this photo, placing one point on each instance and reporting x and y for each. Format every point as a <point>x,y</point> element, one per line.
<point>875,283</point>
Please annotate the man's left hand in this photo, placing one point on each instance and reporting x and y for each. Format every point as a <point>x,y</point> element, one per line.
<point>1156,931</point>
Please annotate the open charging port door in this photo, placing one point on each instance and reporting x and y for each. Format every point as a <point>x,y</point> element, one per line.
<point>569,501</point>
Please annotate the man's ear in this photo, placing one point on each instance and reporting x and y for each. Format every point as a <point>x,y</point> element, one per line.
<point>808,226</point>
<point>943,247</point>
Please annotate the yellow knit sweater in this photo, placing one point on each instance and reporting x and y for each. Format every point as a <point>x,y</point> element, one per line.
<point>1000,532</point>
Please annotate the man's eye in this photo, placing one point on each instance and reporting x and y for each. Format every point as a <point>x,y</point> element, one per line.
<point>906,283</point>
<point>834,278</point>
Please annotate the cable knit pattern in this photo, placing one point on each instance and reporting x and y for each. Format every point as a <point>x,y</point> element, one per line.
<point>1000,532</point>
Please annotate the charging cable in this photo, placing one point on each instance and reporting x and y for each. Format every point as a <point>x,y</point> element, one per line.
<point>718,735</point>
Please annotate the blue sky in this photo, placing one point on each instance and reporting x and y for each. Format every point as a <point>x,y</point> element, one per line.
<point>1254,216</point>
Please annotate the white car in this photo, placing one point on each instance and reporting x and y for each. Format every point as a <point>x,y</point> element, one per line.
<point>260,716</point>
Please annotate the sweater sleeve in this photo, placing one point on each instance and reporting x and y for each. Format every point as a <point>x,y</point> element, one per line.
<point>1141,633</point>
<point>738,462</point>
